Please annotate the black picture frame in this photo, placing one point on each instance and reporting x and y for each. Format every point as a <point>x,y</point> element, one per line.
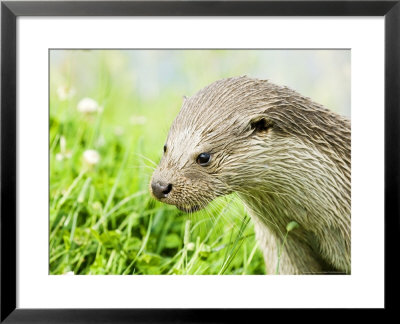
<point>11,10</point>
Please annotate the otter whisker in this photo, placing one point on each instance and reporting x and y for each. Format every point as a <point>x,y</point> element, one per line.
<point>146,158</point>
<point>141,167</point>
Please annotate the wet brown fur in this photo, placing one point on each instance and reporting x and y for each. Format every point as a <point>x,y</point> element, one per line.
<point>296,167</point>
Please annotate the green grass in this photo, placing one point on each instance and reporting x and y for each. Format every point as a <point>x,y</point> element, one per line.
<point>102,217</point>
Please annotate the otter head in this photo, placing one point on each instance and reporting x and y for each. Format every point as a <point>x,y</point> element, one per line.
<point>212,143</point>
<point>250,136</point>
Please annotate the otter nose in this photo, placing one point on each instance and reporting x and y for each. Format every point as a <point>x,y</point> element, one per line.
<point>160,189</point>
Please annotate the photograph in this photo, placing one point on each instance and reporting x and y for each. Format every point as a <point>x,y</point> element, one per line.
<point>199,161</point>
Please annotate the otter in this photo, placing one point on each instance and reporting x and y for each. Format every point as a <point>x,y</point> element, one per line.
<point>286,157</point>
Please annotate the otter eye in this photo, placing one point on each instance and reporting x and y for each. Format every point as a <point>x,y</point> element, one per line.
<point>165,148</point>
<point>261,125</point>
<point>204,159</point>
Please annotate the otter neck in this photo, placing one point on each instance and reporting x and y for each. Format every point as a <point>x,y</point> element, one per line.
<point>313,192</point>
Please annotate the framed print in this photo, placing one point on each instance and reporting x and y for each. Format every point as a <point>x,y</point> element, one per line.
<point>162,159</point>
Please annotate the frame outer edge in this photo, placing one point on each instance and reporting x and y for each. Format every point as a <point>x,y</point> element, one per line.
<point>8,163</point>
<point>392,149</point>
<point>203,8</point>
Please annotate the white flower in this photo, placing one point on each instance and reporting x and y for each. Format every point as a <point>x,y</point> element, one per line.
<point>190,246</point>
<point>65,92</point>
<point>69,273</point>
<point>88,106</point>
<point>119,131</point>
<point>64,153</point>
<point>137,120</point>
<point>91,157</point>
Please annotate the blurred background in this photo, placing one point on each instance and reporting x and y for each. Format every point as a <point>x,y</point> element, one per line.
<point>110,111</point>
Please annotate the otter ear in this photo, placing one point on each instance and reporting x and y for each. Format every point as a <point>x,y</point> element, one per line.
<point>261,125</point>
